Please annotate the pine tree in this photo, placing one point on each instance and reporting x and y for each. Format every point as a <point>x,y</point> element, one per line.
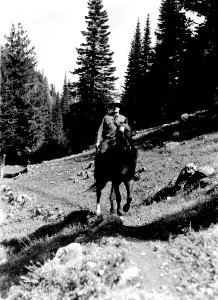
<point>66,98</point>
<point>147,52</point>
<point>18,73</point>
<point>39,116</point>
<point>133,79</point>
<point>172,35</point>
<point>206,49</point>
<point>147,109</point>
<point>96,84</point>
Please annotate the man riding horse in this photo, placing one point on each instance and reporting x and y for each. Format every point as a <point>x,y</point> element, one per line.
<point>115,158</point>
<point>106,136</point>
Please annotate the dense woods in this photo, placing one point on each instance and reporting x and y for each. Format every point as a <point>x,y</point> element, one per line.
<point>174,75</point>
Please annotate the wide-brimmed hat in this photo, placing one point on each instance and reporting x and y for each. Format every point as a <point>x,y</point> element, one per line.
<point>115,102</point>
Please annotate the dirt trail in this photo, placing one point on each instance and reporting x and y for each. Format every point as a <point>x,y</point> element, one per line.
<point>156,278</point>
<point>153,267</point>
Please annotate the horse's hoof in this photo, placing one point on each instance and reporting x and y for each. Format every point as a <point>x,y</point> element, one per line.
<point>126,207</point>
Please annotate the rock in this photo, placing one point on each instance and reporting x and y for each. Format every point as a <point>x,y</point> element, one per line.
<point>191,168</point>
<point>137,176</point>
<point>3,188</point>
<point>176,135</point>
<point>91,264</point>
<point>207,170</point>
<point>130,274</point>
<point>141,170</point>
<point>171,146</point>
<point>184,117</point>
<point>3,261</point>
<point>22,199</point>
<point>70,255</point>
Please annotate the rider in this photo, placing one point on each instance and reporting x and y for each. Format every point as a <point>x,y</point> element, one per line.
<point>107,131</point>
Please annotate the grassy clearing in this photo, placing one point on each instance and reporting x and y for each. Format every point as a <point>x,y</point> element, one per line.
<point>184,225</point>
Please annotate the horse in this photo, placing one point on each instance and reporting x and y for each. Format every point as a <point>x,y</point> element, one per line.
<point>118,165</point>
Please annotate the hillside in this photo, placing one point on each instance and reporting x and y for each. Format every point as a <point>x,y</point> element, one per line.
<point>163,248</point>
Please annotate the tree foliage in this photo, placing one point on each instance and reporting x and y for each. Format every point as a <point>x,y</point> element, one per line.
<point>24,107</point>
<point>96,81</point>
<point>133,78</point>
<point>172,36</point>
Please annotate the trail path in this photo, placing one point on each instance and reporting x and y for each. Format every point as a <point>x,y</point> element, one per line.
<point>156,275</point>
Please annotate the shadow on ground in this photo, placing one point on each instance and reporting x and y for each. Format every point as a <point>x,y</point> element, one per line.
<point>199,216</point>
<point>36,247</point>
<point>80,217</point>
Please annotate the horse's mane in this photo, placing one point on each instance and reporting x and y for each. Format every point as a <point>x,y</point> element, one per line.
<point>124,138</point>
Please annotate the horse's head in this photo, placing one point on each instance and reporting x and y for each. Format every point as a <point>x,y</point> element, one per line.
<point>124,137</point>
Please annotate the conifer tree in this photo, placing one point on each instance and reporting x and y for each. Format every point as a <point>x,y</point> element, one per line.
<point>25,109</point>
<point>65,97</point>
<point>133,79</point>
<point>18,74</point>
<point>147,52</point>
<point>147,108</point>
<point>96,84</point>
<point>206,49</point>
<point>39,113</point>
<point>171,46</point>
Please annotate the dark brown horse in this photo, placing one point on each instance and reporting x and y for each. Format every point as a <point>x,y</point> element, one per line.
<point>118,166</point>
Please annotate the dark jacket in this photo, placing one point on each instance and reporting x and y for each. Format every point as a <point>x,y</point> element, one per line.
<point>107,129</point>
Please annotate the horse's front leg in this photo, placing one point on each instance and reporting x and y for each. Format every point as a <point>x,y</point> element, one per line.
<point>98,209</point>
<point>128,185</point>
<point>99,188</point>
<point>118,198</point>
<point>112,199</point>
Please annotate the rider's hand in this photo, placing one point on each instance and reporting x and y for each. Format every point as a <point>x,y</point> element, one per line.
<point>97,146</point>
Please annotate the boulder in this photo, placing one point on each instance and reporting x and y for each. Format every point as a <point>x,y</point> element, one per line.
<point>171,146</point>
<point>184,117</point>
<point>69,255</point>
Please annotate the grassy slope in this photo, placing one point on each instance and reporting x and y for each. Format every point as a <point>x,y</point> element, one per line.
<point>182,223</point>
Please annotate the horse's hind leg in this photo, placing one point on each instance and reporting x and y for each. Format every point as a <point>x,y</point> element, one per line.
<point>118,198</point>
<point>128,186</point>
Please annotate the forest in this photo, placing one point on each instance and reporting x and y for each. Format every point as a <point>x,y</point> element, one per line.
<point>175,75</point>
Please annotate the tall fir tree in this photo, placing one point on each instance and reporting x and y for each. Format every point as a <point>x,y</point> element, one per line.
<point>65,97</point>
<point>133,79</point>
<point>39,116</point>
<point>147,52</point>
<point>25,108</point>
<point>19,63</point>
<point>206,49</point>
<point>168,70</point>
<point>66,100</point>
<point>147,108</point>
<point>96,84</point>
